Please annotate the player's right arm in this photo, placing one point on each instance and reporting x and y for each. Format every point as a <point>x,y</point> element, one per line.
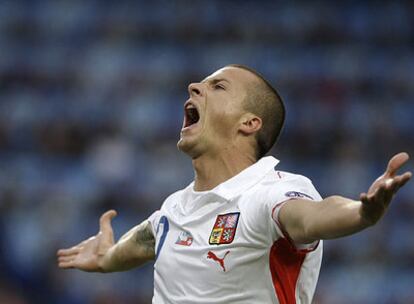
<point>100,253</point>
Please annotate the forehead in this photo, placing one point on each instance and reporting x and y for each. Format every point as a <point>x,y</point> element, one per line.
<point>236,76</point>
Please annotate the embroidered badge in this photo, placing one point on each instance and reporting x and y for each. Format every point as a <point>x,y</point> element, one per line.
<point>184,239</point>
<point>297,194</point>
<point>224,228</point>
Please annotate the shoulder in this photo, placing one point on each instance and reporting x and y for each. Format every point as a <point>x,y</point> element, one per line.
<point>166,208</point>
<point>173,199</point>
<point>279,186</point>
<point>286,183</point>
<point>279,176</point>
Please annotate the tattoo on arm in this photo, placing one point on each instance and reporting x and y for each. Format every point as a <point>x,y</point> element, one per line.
<point>145,238</point>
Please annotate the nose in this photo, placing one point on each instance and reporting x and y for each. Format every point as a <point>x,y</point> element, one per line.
<point>195,89</point>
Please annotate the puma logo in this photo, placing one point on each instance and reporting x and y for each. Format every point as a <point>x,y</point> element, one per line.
<point>211,255</point>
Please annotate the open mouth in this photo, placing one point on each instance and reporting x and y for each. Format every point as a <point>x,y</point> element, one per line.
<point>191,115</point>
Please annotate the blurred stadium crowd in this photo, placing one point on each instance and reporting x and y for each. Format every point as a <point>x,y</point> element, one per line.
<point>91,98</point>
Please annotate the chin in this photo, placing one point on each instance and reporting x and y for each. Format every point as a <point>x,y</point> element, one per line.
<point>184,145</point>
<point>189,147</point>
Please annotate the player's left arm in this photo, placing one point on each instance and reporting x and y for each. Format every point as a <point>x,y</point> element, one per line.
<point>337,216</point>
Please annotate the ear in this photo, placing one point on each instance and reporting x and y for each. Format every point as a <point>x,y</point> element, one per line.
<point>250,124</point>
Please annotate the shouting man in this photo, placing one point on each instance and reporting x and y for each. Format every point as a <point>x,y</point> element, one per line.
<point>243,231</point>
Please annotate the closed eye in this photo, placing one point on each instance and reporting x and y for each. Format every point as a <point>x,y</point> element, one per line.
<point>219,86</point>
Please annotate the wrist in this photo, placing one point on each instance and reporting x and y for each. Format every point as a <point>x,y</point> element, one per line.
<point>105,261</point>
<point>367,217</point>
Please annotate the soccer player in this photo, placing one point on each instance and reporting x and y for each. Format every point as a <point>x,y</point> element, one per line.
<point>243,231</point>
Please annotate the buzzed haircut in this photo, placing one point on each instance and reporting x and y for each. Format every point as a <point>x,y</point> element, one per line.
<point>264,101</point>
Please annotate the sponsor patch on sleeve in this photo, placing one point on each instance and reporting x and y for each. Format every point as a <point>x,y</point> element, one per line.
<point>296,194</point>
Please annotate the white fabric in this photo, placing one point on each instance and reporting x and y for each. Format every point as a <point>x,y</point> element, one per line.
<point>185,271</point>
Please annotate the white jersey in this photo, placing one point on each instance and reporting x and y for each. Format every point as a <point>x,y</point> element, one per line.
<point>227,246</point>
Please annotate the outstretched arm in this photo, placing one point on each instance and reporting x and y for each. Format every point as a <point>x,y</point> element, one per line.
<point>101,254</point>
<point>337,216</point>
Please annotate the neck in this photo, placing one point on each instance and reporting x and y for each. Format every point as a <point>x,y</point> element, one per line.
<point>211,171</point>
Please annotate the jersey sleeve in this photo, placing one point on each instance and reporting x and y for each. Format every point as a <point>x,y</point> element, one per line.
<point>154,220</point>
<point>290,187</point>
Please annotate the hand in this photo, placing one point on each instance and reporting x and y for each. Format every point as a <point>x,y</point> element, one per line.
<point>376,201</point>
<point>88,255</point>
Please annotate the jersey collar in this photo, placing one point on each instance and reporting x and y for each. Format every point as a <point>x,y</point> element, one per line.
<point>245,179</point>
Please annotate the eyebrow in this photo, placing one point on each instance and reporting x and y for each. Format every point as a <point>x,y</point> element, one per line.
<point>215,80</point>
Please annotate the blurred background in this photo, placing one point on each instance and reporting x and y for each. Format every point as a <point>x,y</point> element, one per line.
<point>91,98</point>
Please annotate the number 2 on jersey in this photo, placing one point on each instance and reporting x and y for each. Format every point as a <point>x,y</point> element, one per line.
<point>165,226</point>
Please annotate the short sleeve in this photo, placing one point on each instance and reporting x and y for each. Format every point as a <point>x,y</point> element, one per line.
<point>154,220</point>
<point>291,186</point>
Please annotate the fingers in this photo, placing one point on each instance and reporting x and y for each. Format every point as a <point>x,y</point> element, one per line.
<point>401,180</point>
<point>74,249</point>
<point>381,195</point>
<point>395,183</point>
<point>105,235</point>
<point>68,262</point>
<point>386,189</point>
<point>66,265</point>
<point>66,257</point>
<point>68,252</point>
<point>105,221</point>
<point>396,162</point>
<point>363,197</point>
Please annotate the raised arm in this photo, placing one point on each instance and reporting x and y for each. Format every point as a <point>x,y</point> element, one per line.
<point>337,216</point>
<point>101,254</point>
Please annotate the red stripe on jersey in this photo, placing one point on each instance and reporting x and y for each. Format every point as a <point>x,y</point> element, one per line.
<point>285,264</point>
